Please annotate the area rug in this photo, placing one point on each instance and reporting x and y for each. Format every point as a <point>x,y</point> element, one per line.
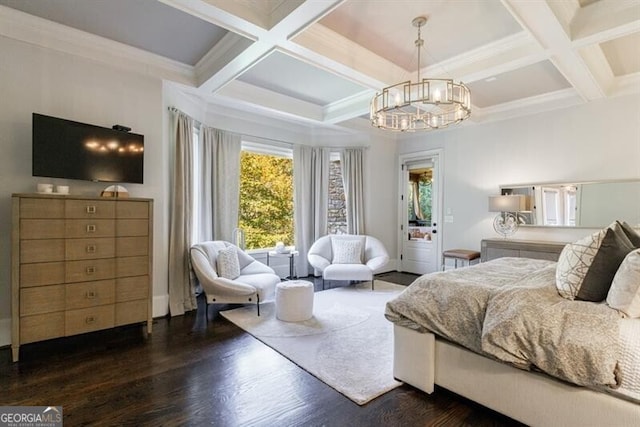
<point>347,344</point>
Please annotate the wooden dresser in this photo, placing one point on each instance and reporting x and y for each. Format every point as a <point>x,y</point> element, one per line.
<point>498,248</point>
<point>79,264</point>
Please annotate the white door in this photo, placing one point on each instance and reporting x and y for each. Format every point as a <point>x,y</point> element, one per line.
<point>419,216</point>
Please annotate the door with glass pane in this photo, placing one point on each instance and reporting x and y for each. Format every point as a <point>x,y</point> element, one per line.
<point>419,231</point>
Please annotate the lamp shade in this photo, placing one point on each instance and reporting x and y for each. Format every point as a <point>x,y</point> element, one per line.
<point>507,203</point>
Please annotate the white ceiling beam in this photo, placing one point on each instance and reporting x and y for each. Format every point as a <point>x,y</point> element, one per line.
<point>605,20</point>
<point>211,76</point>
<point>539,19</point>
<point>241,92</point>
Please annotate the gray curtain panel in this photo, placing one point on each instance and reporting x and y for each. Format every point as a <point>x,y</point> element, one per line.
<point>352,163</point>
<point>181,292</point>
<point>219,184</point>
<point>310,199</point>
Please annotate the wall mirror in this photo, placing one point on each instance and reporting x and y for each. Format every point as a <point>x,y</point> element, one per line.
<point>593,204</point>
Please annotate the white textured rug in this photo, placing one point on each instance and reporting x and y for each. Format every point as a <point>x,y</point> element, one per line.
<point>347,344</point>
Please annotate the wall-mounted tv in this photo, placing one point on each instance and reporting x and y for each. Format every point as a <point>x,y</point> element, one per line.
<point>67,149</point>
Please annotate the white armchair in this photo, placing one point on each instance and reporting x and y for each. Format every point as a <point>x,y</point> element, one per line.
<point>347,257</point>
<point>256,282</point>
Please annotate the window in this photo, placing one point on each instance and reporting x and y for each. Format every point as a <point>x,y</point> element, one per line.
<point>266,195</point>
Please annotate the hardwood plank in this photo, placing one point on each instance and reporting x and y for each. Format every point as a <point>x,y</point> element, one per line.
<point>197,371</point>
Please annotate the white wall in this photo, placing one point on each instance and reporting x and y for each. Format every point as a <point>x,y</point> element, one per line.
<point>33,79</point>
<point>596,141</point>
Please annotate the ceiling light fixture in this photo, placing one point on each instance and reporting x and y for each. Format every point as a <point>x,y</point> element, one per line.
<point>424,105</point>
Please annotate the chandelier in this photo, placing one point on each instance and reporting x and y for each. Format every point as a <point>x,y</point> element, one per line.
<point>424,105</point>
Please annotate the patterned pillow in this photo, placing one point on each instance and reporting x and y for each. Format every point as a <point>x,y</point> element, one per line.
<point>624,294</point>
<point>346,251</point>
<point>586,268</point>
<point>227,263</point>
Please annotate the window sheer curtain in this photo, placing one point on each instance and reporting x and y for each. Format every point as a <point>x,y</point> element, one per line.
<point>352,164</point>
<point>219,205</point>
<point>181,284</point>
<point>310,200</point>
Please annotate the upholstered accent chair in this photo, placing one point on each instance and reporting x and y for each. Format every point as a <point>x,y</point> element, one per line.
<point>347,257</point>
<point>228,275</point>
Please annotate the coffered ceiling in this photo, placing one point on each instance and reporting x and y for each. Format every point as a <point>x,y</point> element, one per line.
<point>321,61</point>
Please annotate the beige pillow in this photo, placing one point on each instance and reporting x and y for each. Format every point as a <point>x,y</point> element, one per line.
<point>227,263</point>
<point>586,268</point>
<point>346,251</point>
<point>624,294</point>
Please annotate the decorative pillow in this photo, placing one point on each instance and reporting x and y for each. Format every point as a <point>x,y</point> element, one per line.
<point>346,251</point>
<point>624,294</point>
<point>631,234</point>
<point>586,268</point>
<point>227,263</point>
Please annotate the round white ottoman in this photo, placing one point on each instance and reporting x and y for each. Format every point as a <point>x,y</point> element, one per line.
<point>294,300</point>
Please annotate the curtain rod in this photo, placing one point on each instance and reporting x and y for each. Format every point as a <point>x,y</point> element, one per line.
<point>366,147</point>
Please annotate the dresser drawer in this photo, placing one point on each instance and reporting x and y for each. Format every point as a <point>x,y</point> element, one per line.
<point>41,299</point>
<point>132,246</point>
<point>132,209</point>
<point>41,327</point>
<point>90,294</point>
<point>42,229</point>
<point>41,250</point>
<point>91,248</point>
<point>45,273</point>
<point>89,319</point>
<point>132,266</point>
<point>132,312</point>
<point>132,227</point>
<point>90,270</point>
<point>132,288</point>
<point>41,208</point>
<point>90,209</point>
<point>79,228</point>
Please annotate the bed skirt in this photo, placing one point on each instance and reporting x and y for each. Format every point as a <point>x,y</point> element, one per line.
<point>422,360</point>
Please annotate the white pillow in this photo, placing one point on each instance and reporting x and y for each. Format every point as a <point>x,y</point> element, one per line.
<point>227,263</point>
<point>624,294</point>
<point>346,251</point>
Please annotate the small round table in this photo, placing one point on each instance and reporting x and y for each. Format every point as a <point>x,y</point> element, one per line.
<point>294,300</point>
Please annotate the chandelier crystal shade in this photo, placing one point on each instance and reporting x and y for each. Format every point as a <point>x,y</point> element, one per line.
<point>426,104</point>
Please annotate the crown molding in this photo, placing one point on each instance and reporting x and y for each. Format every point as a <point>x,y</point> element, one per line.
<point>533,105</point>
<point>31,29</point>
<point>371,70</point>
<point>625,85</point>
<point>348,108</point>
<point>224,52</point>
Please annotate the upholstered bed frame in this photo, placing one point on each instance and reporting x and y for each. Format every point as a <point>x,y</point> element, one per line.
<point>423,360</point>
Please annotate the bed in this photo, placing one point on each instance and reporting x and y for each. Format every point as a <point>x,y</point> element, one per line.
<point>499,334</point>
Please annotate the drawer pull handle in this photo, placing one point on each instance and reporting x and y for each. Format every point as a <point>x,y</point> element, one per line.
<point>91,295</point>
<point>91,228</point>
<point>91,249</point>
<point>91,270</point>
<point>89,320</point>
<point>91,209</point>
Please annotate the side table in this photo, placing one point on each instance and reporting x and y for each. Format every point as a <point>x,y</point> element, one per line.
<point>291,255</point>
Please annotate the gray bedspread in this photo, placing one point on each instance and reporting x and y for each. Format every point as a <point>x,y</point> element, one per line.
<point>509,309</point>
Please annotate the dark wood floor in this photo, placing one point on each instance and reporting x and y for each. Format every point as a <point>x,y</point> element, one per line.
<point>194,371</point>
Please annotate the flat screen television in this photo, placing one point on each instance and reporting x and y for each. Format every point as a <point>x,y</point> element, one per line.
<point>72,150</point>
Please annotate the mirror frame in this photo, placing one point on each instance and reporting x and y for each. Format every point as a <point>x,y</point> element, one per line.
<point>636,224</point>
